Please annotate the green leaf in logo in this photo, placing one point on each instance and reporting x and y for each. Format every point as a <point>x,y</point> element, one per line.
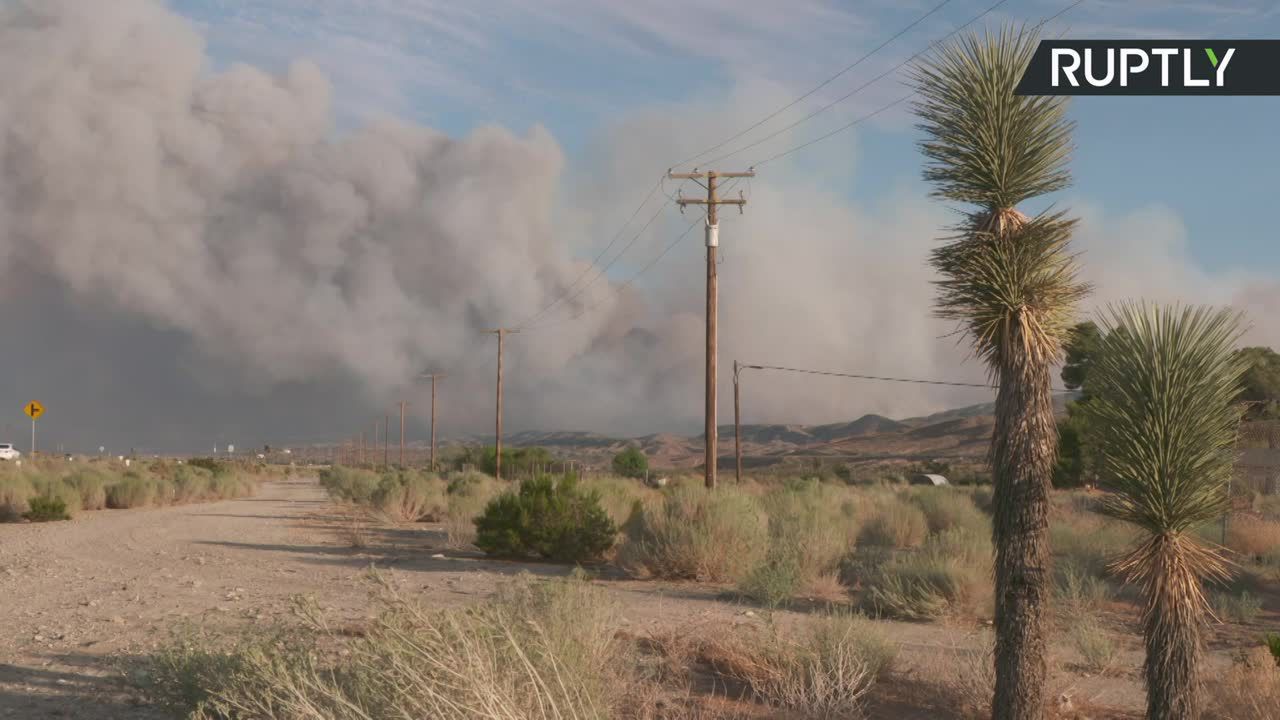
<point>1212,57</point>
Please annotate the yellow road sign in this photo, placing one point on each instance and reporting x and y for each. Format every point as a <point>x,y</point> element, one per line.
<point>33,409</point>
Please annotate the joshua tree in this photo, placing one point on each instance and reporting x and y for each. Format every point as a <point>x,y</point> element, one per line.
<point>1011,282</point>
<point>1165,383</point>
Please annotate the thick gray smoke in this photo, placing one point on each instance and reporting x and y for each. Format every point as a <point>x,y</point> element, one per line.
<point>190,255</point>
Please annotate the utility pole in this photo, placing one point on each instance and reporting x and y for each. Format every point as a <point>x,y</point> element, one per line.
<point>386,442</point>
<point>497,467</point>
<point>402,434</point>
<point>362,447</point>
<point>712,202</point>
<point>434,377</point>
<point>737,422</point>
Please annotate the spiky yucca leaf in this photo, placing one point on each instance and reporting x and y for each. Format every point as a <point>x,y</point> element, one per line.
<point>1167,380</point>
<point>1164,406</point>
<point>1006,269</point>
<point>986,145</point>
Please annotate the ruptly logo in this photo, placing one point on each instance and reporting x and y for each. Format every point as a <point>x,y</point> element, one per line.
<point>1153,67</point>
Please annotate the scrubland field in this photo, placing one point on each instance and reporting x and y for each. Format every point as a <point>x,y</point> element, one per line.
<point>608,598</point>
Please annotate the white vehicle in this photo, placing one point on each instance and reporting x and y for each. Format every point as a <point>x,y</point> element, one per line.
<point>9,452</point>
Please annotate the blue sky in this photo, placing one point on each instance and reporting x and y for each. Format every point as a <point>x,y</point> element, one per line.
<point>577,67</point>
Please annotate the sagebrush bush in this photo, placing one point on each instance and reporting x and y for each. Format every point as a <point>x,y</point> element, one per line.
<point>468,494</point>
<point>45,508</point>
<point>895,524</point>
<point>556,520</point>
<point>1250,690</point>
<point>353,485</point>
<point>191,483</point>
<point>15,491</point>
<point>825,669</point>
<point>1243,607</point>
<point>1090,541</point>
<point>131,492</point>
<point>946,508</point>
<point>408,496</point>
<point>91,484</point>
<point>1097,646</point>
<point>1252,536</point>
<point>691,532</point>
<point>951,571</point>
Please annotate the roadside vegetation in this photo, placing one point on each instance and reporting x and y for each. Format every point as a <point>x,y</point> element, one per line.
<point>50,490</point>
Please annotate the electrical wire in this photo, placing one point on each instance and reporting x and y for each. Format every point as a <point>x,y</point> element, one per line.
<point>817,87</point>
<point>858,376</point>
<point>595,266</point>
<point>858,89</point>
<point>596,261</point>
<point>882,108</point>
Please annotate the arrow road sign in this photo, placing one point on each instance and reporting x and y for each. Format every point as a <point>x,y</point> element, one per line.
<point>33,409</point>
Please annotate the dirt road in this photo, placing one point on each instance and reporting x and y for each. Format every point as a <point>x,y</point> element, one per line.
<point>80,598</point>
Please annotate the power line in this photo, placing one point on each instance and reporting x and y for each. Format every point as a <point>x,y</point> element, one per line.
<point>858,89</point>
<point>596,260</point>
<point>859,376</point>
<point>817,87</point>
<point>882,108</point>
<point>629,281</point>
<point>595,264</point>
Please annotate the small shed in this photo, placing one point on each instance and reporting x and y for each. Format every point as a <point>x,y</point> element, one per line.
<point>929,479</point>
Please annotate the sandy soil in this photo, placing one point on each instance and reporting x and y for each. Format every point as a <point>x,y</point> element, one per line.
<point>82,597</point>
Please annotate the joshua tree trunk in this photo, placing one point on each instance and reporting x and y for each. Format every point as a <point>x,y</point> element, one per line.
<point>1172,633</point>
<point>1022,457</point>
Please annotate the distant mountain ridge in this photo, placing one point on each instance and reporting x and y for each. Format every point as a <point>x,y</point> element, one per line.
<point>962,433</point>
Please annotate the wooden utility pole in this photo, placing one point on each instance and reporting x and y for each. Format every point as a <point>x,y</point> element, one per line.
<point>712,202</point>
<point>362,447</point>
<point>497,467</point>
<point>386,442</point>
<point>402,434</point>
<point>434,377</point>
<point>737,422</point>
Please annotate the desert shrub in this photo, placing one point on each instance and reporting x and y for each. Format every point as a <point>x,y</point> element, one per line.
<point>965,677</point>
<point>619,495</point>
<point>947,508</point>
<point>691,532</point>
<point>631,463</point>
<point>1252,536</point>
<point>1088,540</point>
<point>468,494</point>
<point>131,491</point>
<point>45,508</point>
<point>1273,644</point>
<point>1097,647</point>
<point>409,496</point>
<point>229,486</point>
<point>15,491</point>
<point>1250,690</point>
<point>190,483</point>
<point>215,467</point>
<point>536,649</point>
<point>554,520</point>
<point>1242,608</point>
<point>91,484</point>
<point>825,669</point>
<point>952,570</point>
<point>814,523</point>
<point>353,485</point>
<point>773,582</point>
<point>895,524</point>
<point>63,492</point>
<point>1077,589</point>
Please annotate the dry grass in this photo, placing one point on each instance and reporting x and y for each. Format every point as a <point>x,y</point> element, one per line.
<point>823,670</point>
<point>1250,690</point>
<point>964,675</point>
<point>895,524</point>
<point>1252,536</point>
<point>537,649</point>
<point>1098,647</point>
